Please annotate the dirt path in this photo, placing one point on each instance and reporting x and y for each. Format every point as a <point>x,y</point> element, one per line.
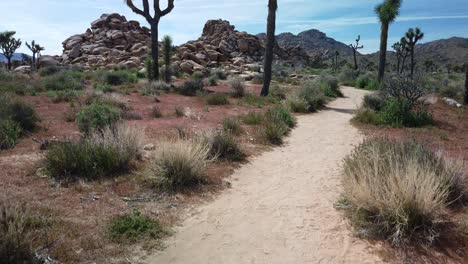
<point>280,207</point>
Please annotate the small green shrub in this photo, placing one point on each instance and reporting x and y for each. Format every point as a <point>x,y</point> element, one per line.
<point>49,70</point>
<point>119,77</point>
<point>104,153</point>
<point>217,99</point>
<point>253,118</point>
<point>348,76</point>
<point>283,114</point>
<point>374,101</point>
<point>212,80</point>
<point>18,111</point>
<point>276,125</point>
<point>399,113</point>
<point>191,88</point>
<point>63,96</point>
<point>398,191</point>
<point>179,164</point>
<point>232,125</point>
<point>329,86</point>
<point>297,104</point>
<point>237,86</point>
<point>365,115</point>
<point>219,73</point>
<point>367,81</point>
<point>61,81</point>
<point>258,101</point>
<point>278,92</point>
<point>10,132</point>
<point>97,116</point>
<point>133,227</point>
<point>103,87</point>
<point>225,147</point>
<point>313,95</point>
<point>155,88</point>
<point>198,76</point>
<point>113,100</point>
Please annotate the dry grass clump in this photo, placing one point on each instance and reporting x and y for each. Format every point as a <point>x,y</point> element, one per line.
<point>179,163</point>
<point>398,190</point>
<point>237,86</point>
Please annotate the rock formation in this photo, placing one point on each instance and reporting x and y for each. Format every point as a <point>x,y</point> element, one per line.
<point>111,41</point>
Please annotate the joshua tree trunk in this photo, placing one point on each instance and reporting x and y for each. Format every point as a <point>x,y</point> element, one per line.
<point>155,48</point>
<point>466,84</point>
<point>412,60</point>
<point>271,26</point>
<point>34,61</point>
<point>383,51</point>
<point>9,63</point>
<point>355,60</point>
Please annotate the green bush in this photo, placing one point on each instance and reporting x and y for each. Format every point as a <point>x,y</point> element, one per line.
<point>225,147</point>
<point>217,99</point>
<point>191,88</point>
<point>276,125</point>
<point>119,77</point>
<point>252,118</point>
<point>64,80</point>
<point>107,99</point>
<point>103,87</point>
<point>101,154</point>
<point>10,132</point>
<point>63,96</point>
<point>278,92</point>
<point>348,76</point>
<point>237,87</point>
<point>179,111</point>
<point>367,81</point>
<point>297,104</point>
<point>374,101</point>
<point>18,111</point>
<point>133,227</point>
<point>155,88</point>
<point>197,76</point>
<point>97,116</point>
<point>312,93</point>
<point>398,191</point>
<point>329,86</point>
<point>283,114</point>
<point>219,73</point>
<point>399,113</point>
<point>212,80</point>
<point>232,125</point>
<point>49,70</point>
<point>365,115</point>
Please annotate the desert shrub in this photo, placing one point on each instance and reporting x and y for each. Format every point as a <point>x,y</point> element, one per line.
<point>212,80</point>
<point>219,73</point>
<point>133,227</point>
<point>179,164</point>
<point>198,76</point>
<point>374,101</point>
<point>399,113</point>
<point>179,111</point>
<point>155,88</point>
<point>217,99</point>
<point>103,87</point>
<point>49,70</point>
<point>97,116</point>
<point>119,77</point>
<point>10,132</point>
<point>224,146</point>
<point>405,88</point>
<point>18,111</point>
<point>237,86</point>
<point>367,81</point>
<point>15,240</point>
<point>61,81</point>
<point>366,115</point>
<point>252,118</point>
<point>348,76</point>
<point>283,114</point>
<point>103,153</point>
<point>258,101</point>
<point>113,100</point>
<point>329,85</point>
<point>258,79</point>
<point>190,88</point>
<point>398,190</point>
<point>278,91</point>
<point>297,104</point>
<point>452,91</point>
<point>156,112</point>
<point>232,125</point>
<point>313,95</point>
<point>63,96</point>
<point>132,115</point>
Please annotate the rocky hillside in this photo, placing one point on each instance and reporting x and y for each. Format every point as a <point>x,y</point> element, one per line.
<point>314,42</point>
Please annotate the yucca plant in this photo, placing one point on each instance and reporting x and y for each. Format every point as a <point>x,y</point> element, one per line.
<point>167,54</point>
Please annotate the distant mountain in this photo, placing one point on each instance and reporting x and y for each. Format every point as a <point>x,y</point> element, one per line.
<point>442,52</point>
<point>16,56</point>
<point>313,41</point>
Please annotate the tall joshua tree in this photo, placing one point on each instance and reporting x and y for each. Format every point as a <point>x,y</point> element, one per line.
<point>154,23</point>
<point>355,49</point>
<point>36,50</point>
<point>401,52</point>
<point>8,45</point>
<point>335,63</point>
<point>167,54</point>
<point>412,38</point>
<point>387,13</point>
<point>270,45</point>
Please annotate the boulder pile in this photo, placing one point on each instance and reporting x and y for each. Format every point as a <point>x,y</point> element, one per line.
<point>111,41</point>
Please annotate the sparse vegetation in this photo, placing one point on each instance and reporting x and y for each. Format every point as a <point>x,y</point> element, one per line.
<point>97,116</point>
<point>398,190</point>
<point>252,118</point>
<point>217,99</point>
<point>10,132</point>
<point>103,153</point>
<point>179,111</point>
<point>237,87</point>
<point>156,112</point>
<point>232,125</point>
<point>119,77</point>
<point>61,81</point>
<point>179,164</point>
<point>191,88</point>
<point>133,227</point>
<point>224,146</point>
<point>276,125</point>
<point>155,88</point>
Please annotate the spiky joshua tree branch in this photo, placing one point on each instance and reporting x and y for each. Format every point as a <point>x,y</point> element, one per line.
<point>153,20</point>
<point>355,49</point>
<point>36,50</point>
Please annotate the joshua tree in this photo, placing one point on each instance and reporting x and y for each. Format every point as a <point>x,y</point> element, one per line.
<point>167,52</point>
<point>387,13</point>
<point>36,49</point>
<point>401,51</point>
<point>355,49</point>
<point>335,62</point>
<point>8,45</point>
<point>154,23</point>
<point>412,38</point>
<point>270,44</point>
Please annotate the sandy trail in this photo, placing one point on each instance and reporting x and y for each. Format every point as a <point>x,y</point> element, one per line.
<point>280,206</point>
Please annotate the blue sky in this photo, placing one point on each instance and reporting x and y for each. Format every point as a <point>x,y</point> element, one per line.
<point>49,22</point>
